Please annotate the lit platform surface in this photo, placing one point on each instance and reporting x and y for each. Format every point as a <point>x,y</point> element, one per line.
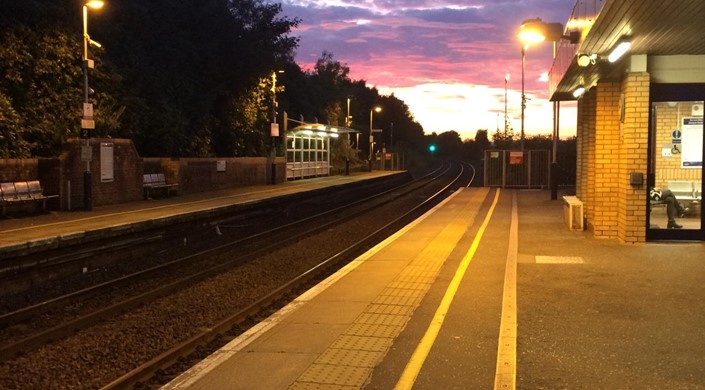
<point>488,290</point>
<point>51,229</point>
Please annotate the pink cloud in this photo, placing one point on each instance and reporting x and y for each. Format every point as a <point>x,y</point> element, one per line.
<point>405,44</point>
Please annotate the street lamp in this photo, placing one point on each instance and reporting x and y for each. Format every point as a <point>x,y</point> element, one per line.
<point>373,110</point>
<point>506,119</point>
<point>87,122</point>
<point>523,94</point>
<point>274,128</point>
<point>534,31</point>
<point>348,118</point>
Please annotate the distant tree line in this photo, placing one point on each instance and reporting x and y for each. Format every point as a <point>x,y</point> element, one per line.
<point>180,78</point>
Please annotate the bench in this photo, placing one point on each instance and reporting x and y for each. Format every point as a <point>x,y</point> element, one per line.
<point>573,213</point>
<point>23,192</point>
<point>683,190</point>
<point>152,181</point>
<point>686,192</point>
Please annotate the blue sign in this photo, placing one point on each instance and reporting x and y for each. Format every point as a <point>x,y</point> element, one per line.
<point>695,121</point>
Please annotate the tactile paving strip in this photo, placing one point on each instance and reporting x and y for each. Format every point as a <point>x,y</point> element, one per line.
<point>349,358</point>
<point>349,361</point>
<point>334,374</point>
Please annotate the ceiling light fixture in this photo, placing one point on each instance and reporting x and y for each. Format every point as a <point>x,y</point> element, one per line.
<point>622,47</point>
<point>579,92</point>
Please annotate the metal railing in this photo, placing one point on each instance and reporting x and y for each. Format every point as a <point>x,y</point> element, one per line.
<point>517,169</point>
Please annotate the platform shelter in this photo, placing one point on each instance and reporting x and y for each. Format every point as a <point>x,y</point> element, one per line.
<point>308,149</point>
<point>637,72</point>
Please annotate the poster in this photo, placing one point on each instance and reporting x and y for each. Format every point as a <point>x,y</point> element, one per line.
<point>106,162</point>
<point>692,142</point>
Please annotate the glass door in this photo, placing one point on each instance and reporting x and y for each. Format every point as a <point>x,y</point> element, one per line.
<point>675,171</point>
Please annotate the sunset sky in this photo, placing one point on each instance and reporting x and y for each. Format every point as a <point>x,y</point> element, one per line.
<point>447,59</point>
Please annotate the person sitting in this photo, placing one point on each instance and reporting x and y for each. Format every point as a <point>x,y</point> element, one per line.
<point>673,207</point>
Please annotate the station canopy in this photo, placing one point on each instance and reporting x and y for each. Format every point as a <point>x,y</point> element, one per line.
<point>319,129</point>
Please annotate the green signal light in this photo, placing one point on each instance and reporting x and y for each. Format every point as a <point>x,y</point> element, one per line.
<point>432,148</point>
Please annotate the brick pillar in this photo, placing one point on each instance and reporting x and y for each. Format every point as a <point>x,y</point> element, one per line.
<point>607,160</point>
<point>585,177</point>
<point>633,157</point>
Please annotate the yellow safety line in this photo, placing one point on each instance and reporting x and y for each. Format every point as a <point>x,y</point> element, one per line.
<point>506,370</point>
<point>413,367</point>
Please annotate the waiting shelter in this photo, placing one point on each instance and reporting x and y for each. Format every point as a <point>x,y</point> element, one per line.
<point>308,149</point>
<point>638,74</point>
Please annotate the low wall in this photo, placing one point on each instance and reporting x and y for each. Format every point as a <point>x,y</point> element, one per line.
<point>116,172</point>
<point>210,174</point>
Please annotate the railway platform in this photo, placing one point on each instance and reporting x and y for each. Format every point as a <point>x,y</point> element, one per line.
<point>487,290</point>
<point>50,230</point>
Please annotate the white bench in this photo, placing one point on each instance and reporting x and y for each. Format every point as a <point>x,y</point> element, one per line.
<point>683,190</point>
<point>573,213</point>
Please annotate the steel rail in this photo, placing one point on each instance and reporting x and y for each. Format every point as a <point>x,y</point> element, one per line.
<point>167,358</point>
<point>67,328</point>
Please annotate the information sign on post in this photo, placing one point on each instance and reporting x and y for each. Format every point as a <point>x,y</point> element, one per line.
<point>87,110</point>
<point>86,153</point>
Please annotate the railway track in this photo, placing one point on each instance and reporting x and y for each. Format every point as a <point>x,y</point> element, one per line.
<point>210,263</point>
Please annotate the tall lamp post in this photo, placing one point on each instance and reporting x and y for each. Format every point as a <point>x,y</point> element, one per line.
<point>372,111</point>
<point>506,118</point>
<point>534,31</point>
<point>523,92</point>
<point>274,128</point>
<point>87,122</point>
<point>530,34</point>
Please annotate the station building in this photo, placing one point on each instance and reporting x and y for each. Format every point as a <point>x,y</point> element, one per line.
<point>640,115</point>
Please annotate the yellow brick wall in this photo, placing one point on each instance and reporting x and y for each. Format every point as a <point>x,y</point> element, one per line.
<point>610,148</point>
<point>607,160</point>
<point>633,157</point>
<point>585,178</point>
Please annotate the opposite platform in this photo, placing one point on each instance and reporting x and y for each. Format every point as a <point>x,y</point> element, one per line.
<point>47,231</point>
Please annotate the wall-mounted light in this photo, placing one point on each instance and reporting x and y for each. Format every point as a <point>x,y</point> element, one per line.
<point>585,60</point>
<point>619,50</point>
<point>579,92</point>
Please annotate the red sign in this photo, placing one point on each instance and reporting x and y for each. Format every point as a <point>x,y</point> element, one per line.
<point>516,158</point>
